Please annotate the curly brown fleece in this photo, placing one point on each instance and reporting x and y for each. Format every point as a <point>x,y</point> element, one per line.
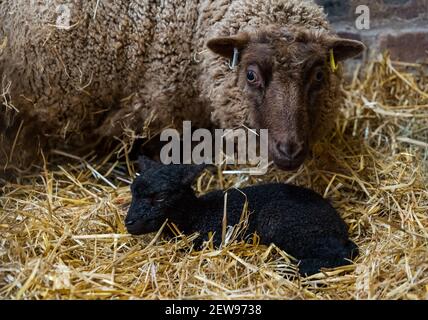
<point>120,63</point>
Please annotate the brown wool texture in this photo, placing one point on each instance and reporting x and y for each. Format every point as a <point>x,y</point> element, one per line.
<point>121,63</point>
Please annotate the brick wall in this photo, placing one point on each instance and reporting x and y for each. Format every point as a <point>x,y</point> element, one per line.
<point>399,26</point>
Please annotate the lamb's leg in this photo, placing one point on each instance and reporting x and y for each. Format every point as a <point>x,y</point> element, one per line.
<point>311,266</point>
<point>325,247</point>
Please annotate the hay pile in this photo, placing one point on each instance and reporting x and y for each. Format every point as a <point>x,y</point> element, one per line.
<point>63,237</point>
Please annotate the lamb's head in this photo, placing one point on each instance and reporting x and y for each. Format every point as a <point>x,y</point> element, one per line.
<point>288,85</point>
<point>156,192</point>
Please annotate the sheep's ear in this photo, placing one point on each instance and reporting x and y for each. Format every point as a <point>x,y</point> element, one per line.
<point>144,163</point>
<point>224,46</point>
<point>345,48</point>
<point>191,172</point>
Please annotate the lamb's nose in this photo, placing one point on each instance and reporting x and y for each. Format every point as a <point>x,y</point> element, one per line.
<point>290,150</point>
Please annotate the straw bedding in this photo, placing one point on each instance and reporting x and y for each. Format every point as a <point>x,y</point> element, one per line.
<point>63,237</point>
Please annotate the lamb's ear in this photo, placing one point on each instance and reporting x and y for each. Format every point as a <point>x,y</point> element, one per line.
<point>345,48</point>
<point>224,46</point>
<point>191,172</point>
<point>144,163</point>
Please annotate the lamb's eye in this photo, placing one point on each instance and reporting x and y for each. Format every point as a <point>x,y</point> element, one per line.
<point>157,198</point>
<point>160,197</point>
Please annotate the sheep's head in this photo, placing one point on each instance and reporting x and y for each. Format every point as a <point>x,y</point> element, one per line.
<point>156,192</point>
<point>288,85</point>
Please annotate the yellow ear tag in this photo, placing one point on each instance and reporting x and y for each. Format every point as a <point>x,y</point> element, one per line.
<point>333,64</point>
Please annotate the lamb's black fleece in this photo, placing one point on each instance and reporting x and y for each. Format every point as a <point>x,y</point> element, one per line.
<point>296,219</point>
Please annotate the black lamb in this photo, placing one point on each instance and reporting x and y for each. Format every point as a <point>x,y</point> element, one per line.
<point>296,219</point>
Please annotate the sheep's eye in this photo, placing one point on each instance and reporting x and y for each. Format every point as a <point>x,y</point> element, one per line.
<point>254,76</point>
<point>251,76</point>
<point>319,76</point>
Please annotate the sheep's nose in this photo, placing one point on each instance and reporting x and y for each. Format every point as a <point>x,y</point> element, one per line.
<point>290,150</point>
